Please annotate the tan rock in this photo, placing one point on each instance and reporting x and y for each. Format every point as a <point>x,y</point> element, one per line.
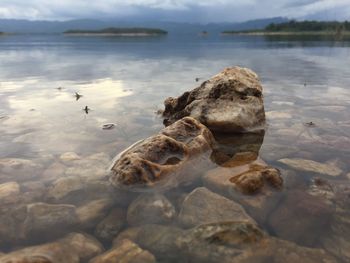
<point>229,102</point>
<point>69,157</point>
<point>111,225</point>
<point>93,212</point>
<point>9,193</point>
<point>176,155</point>
<point>202,206</point>
<point>18,169</point>
<point>125,252</point>
<point>312,166</point>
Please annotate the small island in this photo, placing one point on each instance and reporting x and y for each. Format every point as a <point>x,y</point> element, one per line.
<point>293,27</point>
<point>113,31</point>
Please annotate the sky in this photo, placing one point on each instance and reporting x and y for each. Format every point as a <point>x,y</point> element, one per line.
<point>203,11</point>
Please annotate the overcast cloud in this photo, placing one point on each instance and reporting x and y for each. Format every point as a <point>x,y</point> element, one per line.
<point>174,10</point>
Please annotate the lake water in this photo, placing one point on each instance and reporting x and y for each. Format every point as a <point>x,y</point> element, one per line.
<point>46,136</point>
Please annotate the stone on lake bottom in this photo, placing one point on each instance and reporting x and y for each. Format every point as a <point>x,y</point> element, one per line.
<point>203,206</point>
<point>125,251</point>
<point>150,209</point>
<point>312,166</point>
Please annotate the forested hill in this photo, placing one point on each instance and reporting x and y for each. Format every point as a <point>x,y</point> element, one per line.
<point>308,26</point>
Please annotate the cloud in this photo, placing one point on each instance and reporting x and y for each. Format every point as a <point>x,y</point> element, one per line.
<point>187,10</point>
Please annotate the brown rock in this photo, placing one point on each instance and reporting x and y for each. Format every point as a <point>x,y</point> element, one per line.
<point>237,242</point>
<point>301,218</point>
<point>176,155</point>
<point>125,252</point>
<point>9,193</point>
<point>74,248</point>
<point>231,101</point>
<point>203,206</point>
<point>150,209</point>
<point>111,225</point>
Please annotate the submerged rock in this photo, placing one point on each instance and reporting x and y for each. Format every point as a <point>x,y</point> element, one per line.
<point>301,218</point>
<point>150,209</point>
<point>231,101</point>
<point>312,166</point>
<point>49,221</point>
<point>74,248</point>
<point>125,251</point>
<point>111,225</point>
<point>158,239</point>
<point>203,206</point>
<point>18,169</point>
<point>237,242</point>
<point>9,193</point>
<point>175,155</point>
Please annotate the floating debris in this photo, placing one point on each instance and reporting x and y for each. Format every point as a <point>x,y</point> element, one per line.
<point>310,124</point>
<point>197,79</point>
<point>59,88</point>
<point>86,109</point>
<point>108,126</point>
<point>77,96</point>
<point>32,110</point>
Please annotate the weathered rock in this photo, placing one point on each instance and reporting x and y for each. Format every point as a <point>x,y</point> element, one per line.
<point>54,172</point>
<point>231,101</point>
<point>69,157</point>
<point>158,239</point>
<point>125,252</point>
<point>18,169</point>
<point>312,166</point>
<point>74,248</point>
<point>237,242</point>
<point>252,184</point>
<point>49,221</point>
<point>150,209</point>
<point>93,212</point>
<point>111,225</point>
<point>301,218</point>
<point>176,155</point>
<point>203,206</point>
<point>9,193</point>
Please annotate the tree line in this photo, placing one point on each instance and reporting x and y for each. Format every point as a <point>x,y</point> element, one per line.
<point>299,26</point>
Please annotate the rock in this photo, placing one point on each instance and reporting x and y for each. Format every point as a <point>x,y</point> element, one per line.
<point>111,225</point>
<point>252,184</point>
<point>9,193</point>
<point>158,239</point>
<point>274,152</point>
<point>236,242</point>
<point>49,221</point>
<point>125,252</point>
<point>18,169</point>
<point>312,166</point>
<point>65,250</point>
<point>64,186</point>
<point>150,209</point>
<point>54,172</point>
<point>177,154</point>
<point>231,101</point>
<point>69,157</point>
<point>203,206</point>
<point>301,217</point>
<point>93,212</point>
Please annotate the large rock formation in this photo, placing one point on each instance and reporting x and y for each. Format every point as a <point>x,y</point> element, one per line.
<point>175,155</point>
<point>231,101</point>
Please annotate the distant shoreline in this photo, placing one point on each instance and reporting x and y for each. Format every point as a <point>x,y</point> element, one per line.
<point>286,33</point>
<point>113,34</point>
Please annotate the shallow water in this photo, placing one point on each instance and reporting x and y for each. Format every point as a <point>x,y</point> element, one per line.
<point>125,81</point>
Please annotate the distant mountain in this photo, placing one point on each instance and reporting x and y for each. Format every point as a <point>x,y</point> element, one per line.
<point>50,27</point>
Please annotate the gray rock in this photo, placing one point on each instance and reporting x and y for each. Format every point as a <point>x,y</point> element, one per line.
<point>237,242</point>
<point>228,102</point>
<point>49,221</point>
<point>125,251</point>
<point>150,209</point>
<point>312,166</point>
<point>176,155</point>
<point>203,206</point>
<point>74,248</point>
<point>111,225</point>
